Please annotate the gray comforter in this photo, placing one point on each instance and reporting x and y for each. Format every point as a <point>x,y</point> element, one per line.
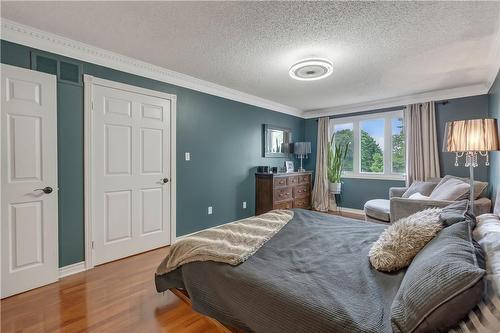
<point>313,276</point>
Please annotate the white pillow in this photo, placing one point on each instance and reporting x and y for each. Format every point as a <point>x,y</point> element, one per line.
<point>486,316</point>
<point>487,234</point>
<point>418,196</point>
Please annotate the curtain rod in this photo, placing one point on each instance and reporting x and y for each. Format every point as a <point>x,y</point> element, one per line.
<point>443,102</point>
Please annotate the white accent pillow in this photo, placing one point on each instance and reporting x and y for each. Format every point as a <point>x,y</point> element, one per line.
<point>418,196</point>
<point>487,234</point>
<point>486,316</point>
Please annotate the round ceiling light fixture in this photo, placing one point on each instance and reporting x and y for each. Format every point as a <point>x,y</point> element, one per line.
<point>311,69</point>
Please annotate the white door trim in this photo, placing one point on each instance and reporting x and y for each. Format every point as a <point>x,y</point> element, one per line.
<point>89,82</point>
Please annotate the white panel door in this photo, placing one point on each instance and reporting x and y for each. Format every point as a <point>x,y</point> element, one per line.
<point>29,180</point>
<point>131,171</point>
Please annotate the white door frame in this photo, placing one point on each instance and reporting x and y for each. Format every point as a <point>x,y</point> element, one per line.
<point>89,82</point>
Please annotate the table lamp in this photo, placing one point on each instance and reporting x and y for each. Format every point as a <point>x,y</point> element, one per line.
<point>301,150</point>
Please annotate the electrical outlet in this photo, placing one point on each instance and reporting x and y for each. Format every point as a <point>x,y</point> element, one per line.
<point>244,204</point>
<point>209,210</point>
<point>187,156</point>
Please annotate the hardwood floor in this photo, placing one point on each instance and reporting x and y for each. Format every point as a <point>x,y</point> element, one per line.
<point>115,297</point>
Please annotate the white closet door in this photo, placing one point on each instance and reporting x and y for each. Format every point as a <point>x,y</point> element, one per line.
<point>131,172</point>
<point>28,179</point>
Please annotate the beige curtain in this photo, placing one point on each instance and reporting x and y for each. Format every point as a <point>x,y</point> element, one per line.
<point>320,191</point>
<point>495,198</point>
<point>421,142</point>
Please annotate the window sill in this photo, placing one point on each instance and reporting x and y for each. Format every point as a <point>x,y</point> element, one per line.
<point>373,176</point>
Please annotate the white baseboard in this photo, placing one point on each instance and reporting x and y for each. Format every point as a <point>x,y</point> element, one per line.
<point>71,269</point>
<point>352,210</point>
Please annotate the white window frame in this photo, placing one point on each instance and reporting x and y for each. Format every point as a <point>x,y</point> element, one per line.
<point>355,121</point>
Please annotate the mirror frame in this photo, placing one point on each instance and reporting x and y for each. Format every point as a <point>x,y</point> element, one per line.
<point>287,138</point>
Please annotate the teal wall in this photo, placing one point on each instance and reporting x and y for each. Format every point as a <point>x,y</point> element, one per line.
<point>458,109</point>
<point>355,192</point>
<point>224,138</point>
<point>494,112</point>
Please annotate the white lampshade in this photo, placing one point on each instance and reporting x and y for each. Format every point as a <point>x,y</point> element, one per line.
<point>475,135</point>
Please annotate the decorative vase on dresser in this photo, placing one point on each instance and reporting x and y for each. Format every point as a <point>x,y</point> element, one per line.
<point>282,191</point>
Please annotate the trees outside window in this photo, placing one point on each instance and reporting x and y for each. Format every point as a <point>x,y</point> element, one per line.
<point>372,145</point>
<point>398,146</point>
<point>344,135</point>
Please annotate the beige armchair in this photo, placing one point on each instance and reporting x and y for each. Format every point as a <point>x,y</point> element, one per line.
<point>387,211</point>
<point>403,207</point>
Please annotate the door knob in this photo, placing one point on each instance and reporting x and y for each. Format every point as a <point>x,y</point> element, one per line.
<point>165,180</point>
<point>46,190</point>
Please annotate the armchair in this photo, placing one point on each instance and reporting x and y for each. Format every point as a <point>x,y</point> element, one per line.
<point>397,207</point>
<point>403,207</point>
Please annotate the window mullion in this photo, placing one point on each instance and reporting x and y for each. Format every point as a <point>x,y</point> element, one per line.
<point>388,144</point>
<point>356,160</point>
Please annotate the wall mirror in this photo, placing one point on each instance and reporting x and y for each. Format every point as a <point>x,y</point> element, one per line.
<point>277,141</point>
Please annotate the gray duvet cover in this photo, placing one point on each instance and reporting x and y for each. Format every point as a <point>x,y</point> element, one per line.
<point>313,276</point>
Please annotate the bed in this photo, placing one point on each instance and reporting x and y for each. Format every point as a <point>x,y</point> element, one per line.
<point>304,280</point>
<point>312,276</point>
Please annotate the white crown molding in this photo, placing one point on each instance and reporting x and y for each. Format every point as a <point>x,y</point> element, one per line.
<point>473,90</point>
<point>32,37</point>
<point>21,34</point>
<point>495,65</point>
<point>72,269</point>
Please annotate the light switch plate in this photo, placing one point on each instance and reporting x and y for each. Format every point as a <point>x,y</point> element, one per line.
<point>188,156</point>
<point>209,210</point>
<point>244,204</point>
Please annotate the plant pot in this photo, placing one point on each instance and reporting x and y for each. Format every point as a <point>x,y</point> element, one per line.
<point>335,187</point>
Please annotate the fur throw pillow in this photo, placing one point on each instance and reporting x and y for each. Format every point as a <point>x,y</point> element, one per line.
<point>401,241</point>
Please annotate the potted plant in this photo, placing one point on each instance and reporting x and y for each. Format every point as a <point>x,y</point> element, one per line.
<point>336,156</point>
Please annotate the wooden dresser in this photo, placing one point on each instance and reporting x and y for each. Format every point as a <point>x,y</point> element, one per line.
<point>282,191</point>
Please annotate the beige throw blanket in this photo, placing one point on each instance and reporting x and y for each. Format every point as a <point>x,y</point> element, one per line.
<point>232,243</point>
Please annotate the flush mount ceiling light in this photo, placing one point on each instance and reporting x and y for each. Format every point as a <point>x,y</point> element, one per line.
<point>311,69</point>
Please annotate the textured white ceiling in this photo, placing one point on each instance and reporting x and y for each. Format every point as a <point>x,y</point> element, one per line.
<point>379,50</point>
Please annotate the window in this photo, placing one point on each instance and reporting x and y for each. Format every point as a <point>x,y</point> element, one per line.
<point>398,154</point>
<point>372,145</point>
<point>344,135</point>
<point>376,145</point>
